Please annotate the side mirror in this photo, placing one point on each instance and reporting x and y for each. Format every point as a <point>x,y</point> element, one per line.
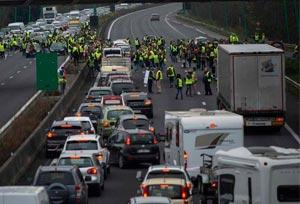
<point>139,176</point>
<point>88,178</point>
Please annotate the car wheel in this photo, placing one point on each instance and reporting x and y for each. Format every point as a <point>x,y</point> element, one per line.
<point>121,162</point>
<point>97,190</point>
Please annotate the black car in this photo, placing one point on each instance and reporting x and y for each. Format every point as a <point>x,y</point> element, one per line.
<point>133,146</point>
<point>59,48</point>
<point>58,133</point>
<point>139,102</point>
<point>64,184</point>
<point>91,110</point>
<point>120,86</point>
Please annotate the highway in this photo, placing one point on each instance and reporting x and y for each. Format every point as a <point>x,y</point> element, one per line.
<point>17,83</point>
<point>121,184</point>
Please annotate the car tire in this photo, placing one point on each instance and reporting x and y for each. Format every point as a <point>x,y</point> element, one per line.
<point>97,190</point>
<point>121,162</point>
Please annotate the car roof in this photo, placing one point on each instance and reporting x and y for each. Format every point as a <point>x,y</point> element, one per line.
<point>156,181</point>
<point>129,116</point>
<point>117,107</point>
<point>62,122</point>
<point>136,131</point>
<point>57,168</point>
<point>111,97</point>
<point>151,199</point>
<point>90,104</point>
<point>88,137</point>
<point>161,167</point>
<point>100,88</point>
<point>76,153</point>
<point>77,118</point>
<point>119,81</point>
<point>134,94</point>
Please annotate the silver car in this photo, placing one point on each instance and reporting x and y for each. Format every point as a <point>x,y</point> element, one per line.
<point>88,165</point>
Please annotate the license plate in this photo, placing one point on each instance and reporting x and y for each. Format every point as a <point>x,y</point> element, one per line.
<point>143,151</point>
<point>258,123</point>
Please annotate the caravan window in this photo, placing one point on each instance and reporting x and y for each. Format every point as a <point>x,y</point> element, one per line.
<point>288,193</point>
<point>227,182</point>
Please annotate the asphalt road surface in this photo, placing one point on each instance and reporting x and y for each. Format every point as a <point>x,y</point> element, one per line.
<point>121,184</point>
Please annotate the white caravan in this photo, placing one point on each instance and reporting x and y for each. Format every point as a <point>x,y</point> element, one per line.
<point>194,136</point>
<point>258,175</point>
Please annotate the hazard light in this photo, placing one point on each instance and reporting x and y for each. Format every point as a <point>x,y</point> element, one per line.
<point>212,125</point>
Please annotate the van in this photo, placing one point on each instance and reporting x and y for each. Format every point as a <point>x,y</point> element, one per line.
<point>193,137</point>
<point>16,27</point>
<point>74,15</point>
<point>112,52</point>
<point>23,194</point>
<point>258,175</point>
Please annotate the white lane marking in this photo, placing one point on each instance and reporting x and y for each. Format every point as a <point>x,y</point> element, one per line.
<point>291,131</point>
<point>200,31</point>
<point>175,21</point>
<point>166,17</point>
<point>11,77</point>
<point>188,26</point>
<point>24,67</point>
<point>2,84</point>
<point>5,56</point>
<point>203,103</point>
<point>97,80</point>
<point>9,55</point>
<point>18,72</point>
<point>15,52</point>
<point>30,62</point>
<point>131,29</point>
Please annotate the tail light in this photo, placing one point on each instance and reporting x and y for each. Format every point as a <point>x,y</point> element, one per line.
<point>89,97</point>
<point>127,140</point>
<point>92,171</point>
<point>78,193</point>
<point>185,157</point>
<point>154,140</point>
<point>145,190</point>
<point>183,193</point>
<point>151,129</point>
<point>214,184</point>
<point>279,119</point>
<point>148,103</point>
<point>188,185</point>
<point>100,156</point>
<point>51,134</point>
<point>106,124</point>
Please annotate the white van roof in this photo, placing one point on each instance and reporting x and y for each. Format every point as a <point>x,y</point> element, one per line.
<point>21,189</point>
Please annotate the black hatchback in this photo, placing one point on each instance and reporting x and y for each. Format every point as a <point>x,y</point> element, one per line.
<point>133,146</point>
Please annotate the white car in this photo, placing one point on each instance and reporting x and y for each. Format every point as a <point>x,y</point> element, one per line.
<point>150,200</point>
<point>85,120</point>
<point>91,144</point>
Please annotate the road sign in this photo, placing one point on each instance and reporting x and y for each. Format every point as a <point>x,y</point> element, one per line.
<point>46,71</point>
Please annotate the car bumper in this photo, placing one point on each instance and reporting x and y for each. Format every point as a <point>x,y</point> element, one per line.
<point>145,111</point>
<point>139,158</point>
<point>55,147</point>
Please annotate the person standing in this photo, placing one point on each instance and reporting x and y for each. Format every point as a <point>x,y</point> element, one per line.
<point>158,78</point>
<point>179,86</point>
<point>194,81</point>
<point>188,83</point>
<point>207,78</point>
<point>171,75</point>
<point>75,54</point>
<point>150,80</point>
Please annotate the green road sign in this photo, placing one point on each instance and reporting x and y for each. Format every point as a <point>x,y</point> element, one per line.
<point>46,71</point>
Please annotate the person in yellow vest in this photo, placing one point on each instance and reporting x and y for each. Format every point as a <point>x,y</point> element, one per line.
<point>188,84</point>
<point>207,78</point>
<point>171,75</point>
<point>75,54</point>
<point>2,50</point>
<point>256,37</point>
<point>158,78</point>
<point>263,38</point>
<point>179,86</point>
<point>194,80</point>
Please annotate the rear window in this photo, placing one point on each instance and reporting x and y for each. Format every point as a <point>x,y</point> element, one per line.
<point>90,109</point>
<point>100,92</point>
<point>134,102</point>
<point>82,145</point>
<point>133,124</point>
<point>114,114</point>
<point>66,130</point>
<point>47,178</point>
<point>81,162</point>
<point>166,174</point>
<point>288,193</point>
<point>137,139</point>
<point>113,102</point>
<point>112,52</point>
<point>118,88</point>
<point>171,191</point>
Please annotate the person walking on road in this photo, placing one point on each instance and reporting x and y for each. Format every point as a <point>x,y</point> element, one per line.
<point>188,83</point>
<point>150,80</point>
<point>158,78</point>
<point>179,86</point>
<point>207,78</point>
<point>171,75</point>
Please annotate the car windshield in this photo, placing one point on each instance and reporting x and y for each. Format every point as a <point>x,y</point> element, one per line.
<point>114,114</point>
<point>166,190</point>
<point>82,145</point>
<point>81,162</point>
<point>100,92</point>
<point>133,124</point>
<point>166,174</point>
<point>47,178</point>
<point>118,88</point>
<point>66,130</point>
<point>141,138</point>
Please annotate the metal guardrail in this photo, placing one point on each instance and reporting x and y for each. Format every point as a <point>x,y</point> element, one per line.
<point>292,82</point>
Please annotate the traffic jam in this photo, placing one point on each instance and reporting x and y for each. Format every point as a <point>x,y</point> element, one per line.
<point>199,158</point>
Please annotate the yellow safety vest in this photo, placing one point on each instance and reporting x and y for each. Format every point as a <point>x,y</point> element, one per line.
<point>159,75</point>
